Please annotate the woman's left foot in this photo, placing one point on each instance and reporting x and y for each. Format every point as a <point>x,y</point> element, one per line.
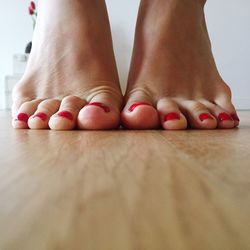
<point>173,81</point>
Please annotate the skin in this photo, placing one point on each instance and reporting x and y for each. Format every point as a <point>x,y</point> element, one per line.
<point>71,65</point>
<point>172,70</point>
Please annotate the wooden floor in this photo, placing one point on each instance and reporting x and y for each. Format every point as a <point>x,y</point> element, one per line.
<point>125,190</point>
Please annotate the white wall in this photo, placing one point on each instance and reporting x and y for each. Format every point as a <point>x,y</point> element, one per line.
<point>228,23</point>
<point>15,32</point>
<point>229,27</point>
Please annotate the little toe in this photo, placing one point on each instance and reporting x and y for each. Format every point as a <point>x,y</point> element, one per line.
<point>101,113</point>
<point>139,113</point>
<point>40,119</point>
<point>236,118</point>
<point>224,118</point>
<point>170,115</point>
<point>65,118</point>
<point>21,118</point>
<point>198,115</point>
<point>229,108</point>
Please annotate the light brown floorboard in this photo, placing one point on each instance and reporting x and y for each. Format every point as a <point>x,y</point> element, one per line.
<point>124,190</point>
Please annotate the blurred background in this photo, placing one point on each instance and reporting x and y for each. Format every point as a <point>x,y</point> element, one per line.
<point>228,24</point>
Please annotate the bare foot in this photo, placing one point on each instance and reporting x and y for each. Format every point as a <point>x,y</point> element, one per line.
<point>71,79</point>
<point>173,80</point>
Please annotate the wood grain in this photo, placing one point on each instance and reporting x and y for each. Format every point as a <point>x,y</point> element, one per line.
<point>125,190</point>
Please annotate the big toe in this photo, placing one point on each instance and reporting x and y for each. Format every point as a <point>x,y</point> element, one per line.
<point>139,113</point>
<point>101,113</point>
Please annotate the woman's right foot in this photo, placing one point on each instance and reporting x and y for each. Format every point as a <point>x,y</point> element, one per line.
<point>71,78</point>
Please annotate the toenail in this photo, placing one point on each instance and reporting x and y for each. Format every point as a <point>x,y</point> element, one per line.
<point>22,117</point>
<point>66,114</point>
<point>171,117</point>
<point>135,105</point>
<point>205,116</point>
<point>235,117</point>
<point>40,115</point>
<point>101,105</point>
<point>224,117</point>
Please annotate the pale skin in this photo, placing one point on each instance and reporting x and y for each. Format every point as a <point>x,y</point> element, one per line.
<point>71,80</point>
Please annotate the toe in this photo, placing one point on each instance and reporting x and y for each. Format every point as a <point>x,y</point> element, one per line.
<point>40,119</point>
<point>139,113</point>
<point>65,118</point>
<point>224,117</point>
<point>23,113</point>
<point>226,105</point>
<point>198,115</point>
<point>170,115</point>
<point>102,112</point>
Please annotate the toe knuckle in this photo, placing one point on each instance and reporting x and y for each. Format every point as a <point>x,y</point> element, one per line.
<point>25,105</point>
<point>197,107</point>
<point>71,99</point>
<point>169,102</point>
<point>18,94</point>
<point>45,104</point>
<point>50,105</point>
<point>226,90</point>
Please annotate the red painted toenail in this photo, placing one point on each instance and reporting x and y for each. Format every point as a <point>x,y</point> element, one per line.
<point>41,115</point>
<point>171,117</point>
<point>224,117</point>
<point>205,116</point>
<point>66,114</point>
<point>22,117</point>
<point>135,105</point>
<point>235,117</point>
<point>100,105</point>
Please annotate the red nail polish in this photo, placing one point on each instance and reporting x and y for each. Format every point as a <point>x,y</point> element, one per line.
<point>205,116</point>
<point>135,105</point>
<point>224,117</point>
<point>22,117</point>
<point>67,115</point>
<point>100,105</point>
<point>41,115</point>
<point>235,117</point>
<point>171,117</point>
